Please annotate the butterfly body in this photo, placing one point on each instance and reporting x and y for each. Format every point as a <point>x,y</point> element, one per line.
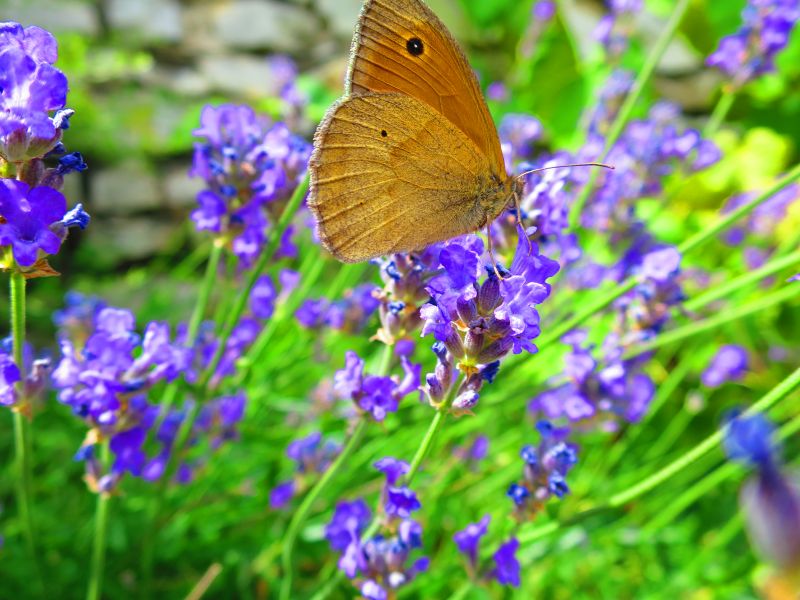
<point>410,155</point>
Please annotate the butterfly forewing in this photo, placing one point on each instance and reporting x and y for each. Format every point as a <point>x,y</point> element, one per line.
<point>401,46</point>
<point>390,174</point>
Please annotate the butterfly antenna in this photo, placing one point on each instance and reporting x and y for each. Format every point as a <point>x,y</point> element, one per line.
<point>589,164</point>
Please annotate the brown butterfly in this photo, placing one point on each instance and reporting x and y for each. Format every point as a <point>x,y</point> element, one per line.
<point>410,155</point>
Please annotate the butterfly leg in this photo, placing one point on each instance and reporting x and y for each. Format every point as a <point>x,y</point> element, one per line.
<point>519,221</point>
<point>491,249</point>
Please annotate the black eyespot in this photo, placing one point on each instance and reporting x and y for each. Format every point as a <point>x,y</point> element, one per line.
<point>383,133</point>
<point>415,47</point>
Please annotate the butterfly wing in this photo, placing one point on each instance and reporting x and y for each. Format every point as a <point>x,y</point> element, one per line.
<point>401,46</point>
<point>390,174</point>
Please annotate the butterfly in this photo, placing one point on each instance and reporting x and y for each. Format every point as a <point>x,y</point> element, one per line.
<point>409,155</point>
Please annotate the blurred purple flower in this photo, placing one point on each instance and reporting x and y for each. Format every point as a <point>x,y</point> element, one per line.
<point>372,394</point>
<point>468,539</point>
<point>728,364</point>
<point>770,499</point>
<point>544,476</point>
<point>507,568</point>
<point>751,51</point>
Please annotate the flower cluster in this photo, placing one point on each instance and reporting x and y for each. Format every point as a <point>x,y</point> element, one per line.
<point>251,167</point>
<point>34,217</point>
<point>758,232</point>
<point>105,373</point>
<point>14,392</point>
<point>615,29</point>
<point>506,568</point>
<point>31,88</point>
<point>595,394</point>
<point>477,324</point>
<point>350,314</point>
<point>770,500</point>
<point>311,456</point>
<point>374,394</point>
<point>104,380</point>
<point>751,51</point>
<point>379,565</point>
<point>728,364</point>
<point>546,468</point>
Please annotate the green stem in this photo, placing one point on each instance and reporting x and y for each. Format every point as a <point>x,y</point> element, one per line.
<point>719,113</point>
<point>204,296</point>
<point>626,111</point>
<point>97,568</point>
<point>299,518</point>
<point>302,512</point>
<point>776,394</point>
<point>427,442</point>
<point>724,291</point>
<point>692,329</point>
<point>723,223</point>
<point>708,483</point>
<point>22,425</point>
<point>241,301</point>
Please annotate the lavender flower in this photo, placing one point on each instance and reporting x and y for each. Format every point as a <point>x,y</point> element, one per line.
<point>596,394</point>
<point>770,499</point>
<point>751,51</point>
<point>546,468</point>
<point>311,457</point>
<point>478,324</point>
<point>614,30</point>
<point>350,314</point>
<point>30,89</point>
<point>469,538</point>
<point>507,567</point>
<point>372,394</point>
<point>251,167</point>
<point>32,388</point>
<point>381,562</point>
<point>728,364</point>
<point>35,221</point>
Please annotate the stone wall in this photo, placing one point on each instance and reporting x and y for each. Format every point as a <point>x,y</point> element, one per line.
<point>166,58</point>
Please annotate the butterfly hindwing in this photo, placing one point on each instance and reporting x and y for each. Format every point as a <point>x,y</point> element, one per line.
<point>390,174</point>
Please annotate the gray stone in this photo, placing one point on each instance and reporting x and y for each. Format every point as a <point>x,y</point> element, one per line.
<point>123,190</point>
<point>180,190</point>
<point>149,20</point>
<point>236,74</point>
<point>694,92</point>
<point>54,15</point>
<point>341,15</point>
<point>263,24</point>
<point>183,81</point>
<point>130,238</point>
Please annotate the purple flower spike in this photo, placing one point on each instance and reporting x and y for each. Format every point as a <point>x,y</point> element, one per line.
<point>401,502</point>
<point>507,567</point>
<point>468,539</point>
<point>281,495</point>
<point>30,88</point>
<point>9,375</point>
<point>728,364</point>
<point>393,468</point>
<point>751,440</point>
<point>29,214</point>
